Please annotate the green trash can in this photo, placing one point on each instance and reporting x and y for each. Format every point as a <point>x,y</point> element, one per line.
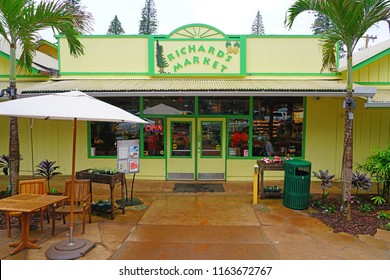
<point>296,193</point>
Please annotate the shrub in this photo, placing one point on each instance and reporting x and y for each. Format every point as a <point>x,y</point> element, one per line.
<point>360,181</point>
<point>47,169</point>
<point>326,180</point>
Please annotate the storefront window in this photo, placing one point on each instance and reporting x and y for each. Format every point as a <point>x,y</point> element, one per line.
<point>277,126</point>
<point>103,135</point>
<point>181,139</point>
<point>154,138</point>
<point>223,106</point>
<point>211,138</point>
<point>169,105</point>
<point>238,137</point>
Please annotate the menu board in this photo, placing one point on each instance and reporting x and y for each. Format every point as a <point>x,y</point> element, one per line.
<point>128,156</point>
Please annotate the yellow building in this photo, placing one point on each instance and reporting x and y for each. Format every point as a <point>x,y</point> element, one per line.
<point>213,102</point>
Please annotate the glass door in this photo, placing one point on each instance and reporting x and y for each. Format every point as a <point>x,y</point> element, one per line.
<point>211,156</point>
<point>181,147</point>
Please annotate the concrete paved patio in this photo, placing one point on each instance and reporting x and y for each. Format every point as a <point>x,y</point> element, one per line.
<point>206,226</point>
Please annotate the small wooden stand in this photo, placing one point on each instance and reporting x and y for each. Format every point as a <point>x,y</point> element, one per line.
<point>109,179</point>
<point>269,167</point>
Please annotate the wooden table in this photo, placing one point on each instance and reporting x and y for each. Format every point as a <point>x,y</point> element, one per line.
<point>269,167</point>
<point>26,204</point>
<point>109,179</point>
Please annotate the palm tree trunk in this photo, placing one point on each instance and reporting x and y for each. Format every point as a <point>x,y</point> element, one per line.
<point>348,141</point>
<point>14,150</point>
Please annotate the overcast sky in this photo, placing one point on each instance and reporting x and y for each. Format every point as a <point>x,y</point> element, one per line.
<point>229,16</point>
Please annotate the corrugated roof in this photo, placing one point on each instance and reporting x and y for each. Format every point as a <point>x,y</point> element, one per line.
<point>20,85</point>
<point>176,85</point>
<point>380,100</point>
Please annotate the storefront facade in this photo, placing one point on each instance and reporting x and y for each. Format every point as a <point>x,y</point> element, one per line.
<point>215,103</point>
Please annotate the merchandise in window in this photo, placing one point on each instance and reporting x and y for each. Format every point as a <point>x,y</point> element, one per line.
<point>154,138</point>
<point>104,135</point>
<point>238,137</point>
<point>181,139</point>
<point>277,126</point>
<point>211,138</point>
<point>224,106</point>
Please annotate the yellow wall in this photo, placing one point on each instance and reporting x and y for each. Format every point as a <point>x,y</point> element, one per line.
<point>107,55</point>
<point>130,55</point>
<point>283,55</point>
<point>376,71</point>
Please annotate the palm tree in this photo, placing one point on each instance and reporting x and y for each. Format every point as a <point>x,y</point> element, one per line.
<point>351,19</point>
<point>20,22</point>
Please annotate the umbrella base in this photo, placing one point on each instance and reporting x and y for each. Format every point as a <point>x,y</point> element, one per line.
<point>129,202</point>
<point>65,251</point>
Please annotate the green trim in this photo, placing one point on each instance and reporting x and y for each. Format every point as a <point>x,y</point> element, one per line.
<point>104,73</point>
<point>284,36</point>
<point>89,139</point>
<point>295,74</point>
<point>34,70</point>
<point>104,36</point>
<point>373,83</point>
<point>151,55</point>
<point>303,152</point>
<point>43,41</point>
<point>371,59</point>
<point>243,55</point>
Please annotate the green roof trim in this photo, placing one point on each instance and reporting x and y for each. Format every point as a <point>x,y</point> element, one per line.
<point>371,59</point>
<point>104,73</point>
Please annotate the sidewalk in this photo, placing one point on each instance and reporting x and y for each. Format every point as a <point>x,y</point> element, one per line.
<point>206,226</point>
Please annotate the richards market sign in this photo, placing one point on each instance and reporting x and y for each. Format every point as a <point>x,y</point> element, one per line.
<point>200,57</point>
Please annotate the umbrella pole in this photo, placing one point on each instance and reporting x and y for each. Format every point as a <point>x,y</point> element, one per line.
<point>72,183</point>
<point>72,249</point>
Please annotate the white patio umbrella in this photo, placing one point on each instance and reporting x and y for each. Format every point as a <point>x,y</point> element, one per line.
<point>76,106</point>
<point>162,109</point>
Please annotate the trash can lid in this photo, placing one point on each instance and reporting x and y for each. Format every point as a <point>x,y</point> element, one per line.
<point>298,162</point>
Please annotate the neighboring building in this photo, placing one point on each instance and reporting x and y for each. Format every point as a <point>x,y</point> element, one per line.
<point>45,65</point>
<point>212,100</point>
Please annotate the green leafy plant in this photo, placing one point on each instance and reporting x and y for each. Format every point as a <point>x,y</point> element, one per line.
<point>378,200</point>
<point>108,171</point>
<point>326,180</point>
<point>378,166</point>
<point>383,215</point>
<point>4,164</point>
<point>330,209</point>
<point>388,226</point>
<point>366,207</point>
<point>360,181</point>
<point>47,169</point>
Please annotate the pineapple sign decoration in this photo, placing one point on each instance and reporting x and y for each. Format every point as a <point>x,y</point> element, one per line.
<point>232,48</point>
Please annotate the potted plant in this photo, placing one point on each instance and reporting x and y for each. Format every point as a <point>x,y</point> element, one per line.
<point>47,169</point>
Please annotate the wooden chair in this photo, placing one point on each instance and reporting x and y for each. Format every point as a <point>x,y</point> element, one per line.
<point>36,186</point>
<point>82,201</point>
